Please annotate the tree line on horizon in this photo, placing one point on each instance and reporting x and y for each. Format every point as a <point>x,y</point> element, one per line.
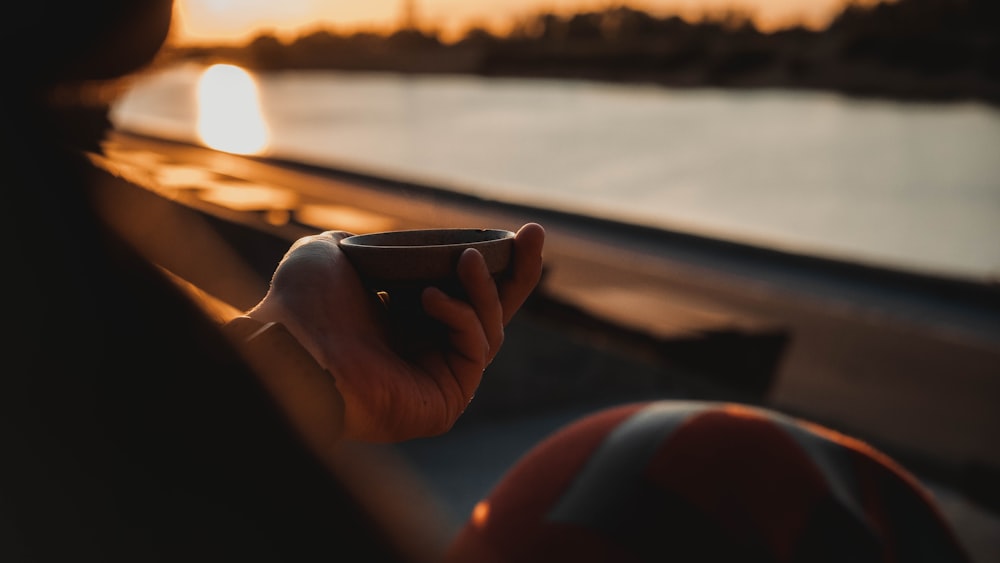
<point>938,49</point>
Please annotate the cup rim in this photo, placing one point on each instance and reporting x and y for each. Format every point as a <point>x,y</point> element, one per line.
<point>366,240</point>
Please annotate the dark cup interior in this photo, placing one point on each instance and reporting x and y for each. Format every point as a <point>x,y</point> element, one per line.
<point>424,255</point>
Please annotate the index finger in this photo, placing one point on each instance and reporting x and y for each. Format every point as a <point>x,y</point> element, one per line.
<point>526,270</point>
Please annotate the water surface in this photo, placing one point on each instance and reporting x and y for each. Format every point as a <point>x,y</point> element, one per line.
<point>907,185</point>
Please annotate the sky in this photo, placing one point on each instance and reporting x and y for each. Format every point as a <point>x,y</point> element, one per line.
<point>236,21</point>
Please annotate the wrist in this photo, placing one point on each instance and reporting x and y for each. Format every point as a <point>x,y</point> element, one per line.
<point>271,338</point>
<point>273,309</point>
<point>243,328</point>
<point>304,390</point>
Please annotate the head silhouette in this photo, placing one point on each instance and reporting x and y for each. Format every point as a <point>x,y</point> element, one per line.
<point>48,42</point>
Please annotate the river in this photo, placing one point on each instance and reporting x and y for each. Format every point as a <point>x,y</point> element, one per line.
<point>913,186</point>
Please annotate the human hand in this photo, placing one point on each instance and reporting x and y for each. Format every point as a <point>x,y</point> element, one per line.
<point>391,395</point>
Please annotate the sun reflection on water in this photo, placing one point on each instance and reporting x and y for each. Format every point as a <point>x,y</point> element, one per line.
<point>230,118</point>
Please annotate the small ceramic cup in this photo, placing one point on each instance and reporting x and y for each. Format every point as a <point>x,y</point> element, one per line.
<point>398,265</point>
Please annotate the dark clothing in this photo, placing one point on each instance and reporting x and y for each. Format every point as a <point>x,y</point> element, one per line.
<point>131,430</point>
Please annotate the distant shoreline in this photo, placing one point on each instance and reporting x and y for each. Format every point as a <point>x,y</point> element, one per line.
<point>864,80</point>
<point>909,50</point>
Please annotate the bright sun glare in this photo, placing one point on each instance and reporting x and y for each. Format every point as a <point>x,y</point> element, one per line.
<point>229,113</point>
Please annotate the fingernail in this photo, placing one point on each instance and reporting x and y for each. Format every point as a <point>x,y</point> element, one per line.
<point>482,260</point>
